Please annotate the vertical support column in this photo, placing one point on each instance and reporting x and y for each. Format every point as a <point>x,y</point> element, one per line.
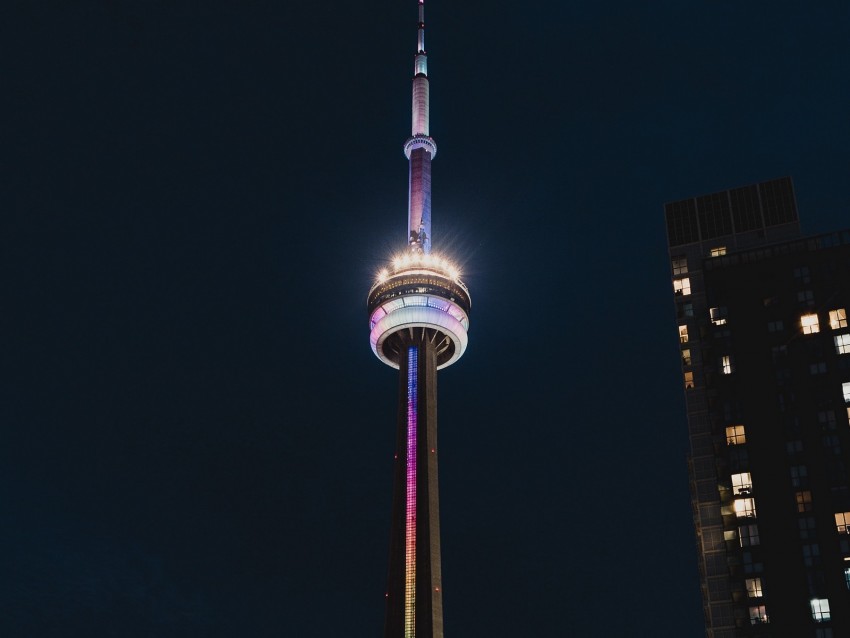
<point>419,197</point>
<point>414,589</point>
<point>410,506</point>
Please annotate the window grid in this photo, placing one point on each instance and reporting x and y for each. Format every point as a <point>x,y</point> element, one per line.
<point>718,316</point>
<point>748,535</point>
<point>838,318</point>
<point>726,364</point>
<point>775,326</point>
<point>758,615</point>
<point>680,265</point>
<point>826,419</point>
<point>799,475</point>
<point>753,586</point>
<point>809,324</point>
<point>682,286</point>
<point>811,555</point>
<point>735,435</point>
<point>820,609</point>
<point>806,297</point>
<point>842,344</point>
<point>842,522</point>
<point>745,508</point>
<point>804,501</point>
<point>742,484</point>
<point>808,527</point>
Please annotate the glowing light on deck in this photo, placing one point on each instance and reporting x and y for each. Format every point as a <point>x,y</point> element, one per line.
<point>429,261</point>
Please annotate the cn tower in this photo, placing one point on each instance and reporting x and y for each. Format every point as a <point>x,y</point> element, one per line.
<point>418,320</point>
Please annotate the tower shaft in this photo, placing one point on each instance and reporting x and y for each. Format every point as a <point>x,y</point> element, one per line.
<point>414,589</point>
<point>418,321</point>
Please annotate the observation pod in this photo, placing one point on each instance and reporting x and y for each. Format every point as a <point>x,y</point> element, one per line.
<point>422,295</point>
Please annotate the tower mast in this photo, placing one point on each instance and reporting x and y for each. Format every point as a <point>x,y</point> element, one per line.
<point>420,149</point>
<point>418,318</point>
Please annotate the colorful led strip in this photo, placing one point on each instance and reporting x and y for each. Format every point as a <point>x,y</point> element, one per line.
<point>410,532</point>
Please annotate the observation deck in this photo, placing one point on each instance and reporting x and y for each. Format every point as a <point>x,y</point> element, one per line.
<point>420,293</point>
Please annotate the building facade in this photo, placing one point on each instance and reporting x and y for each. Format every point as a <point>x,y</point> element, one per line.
<point>765,352</point>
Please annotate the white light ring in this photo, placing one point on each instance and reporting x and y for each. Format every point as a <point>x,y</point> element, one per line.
<point>420,141</point>
<point>397,303</point>
<point>419,317</point>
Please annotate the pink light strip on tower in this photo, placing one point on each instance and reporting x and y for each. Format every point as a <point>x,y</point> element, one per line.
<point>410,531</point>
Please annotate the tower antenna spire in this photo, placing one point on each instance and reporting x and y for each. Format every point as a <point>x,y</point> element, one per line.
<point>420,149</point>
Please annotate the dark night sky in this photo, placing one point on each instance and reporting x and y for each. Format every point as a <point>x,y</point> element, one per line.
<point>195,439</point>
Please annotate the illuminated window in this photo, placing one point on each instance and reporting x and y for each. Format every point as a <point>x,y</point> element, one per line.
<point>689,380</point>
<point>735,435</point>
<point>718,315</point>
<point>748,535</point>
<point>753,587</point>
<point>842,344</point>
<point>745,508</point>
<point>820,609</point>
<point>842,522</point>
<point>718,252</point>
<point>804,501</point>
<point>726,364</point>
<point>810,324</point>
<point>847,577</point>
<point>838,318</point>
<point>799,476</point>
<point>680,265</point>
<point>686,357</point>
<point>683,334</point>
<point>758,615</point>
<point>845,388</point>
<point>775,326</point>
<point>741,484</point>
<point>682,286</point>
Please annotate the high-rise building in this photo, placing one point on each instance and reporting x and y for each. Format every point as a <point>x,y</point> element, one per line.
<point>418,318</point>
<point>765,350</point>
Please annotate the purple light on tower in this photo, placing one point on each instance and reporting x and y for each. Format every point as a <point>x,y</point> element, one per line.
<point>410,510</point>
<point>418,321</point>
